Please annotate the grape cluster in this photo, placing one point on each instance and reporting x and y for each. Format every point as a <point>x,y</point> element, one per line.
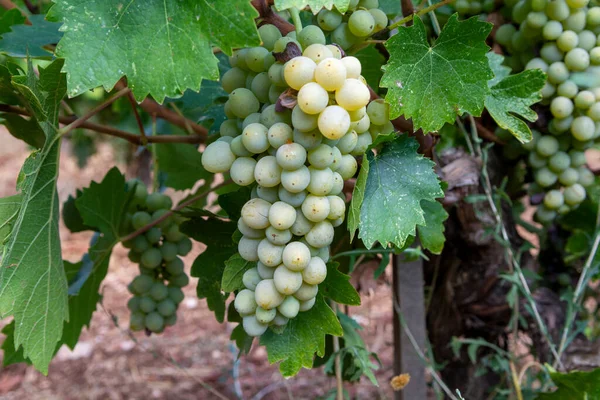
<point>474,7</point>
<point>296,161</point>
<point>565,35</point>
<point>157,289</point>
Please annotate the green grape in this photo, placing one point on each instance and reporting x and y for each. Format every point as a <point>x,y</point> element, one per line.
<point>267,193</point>
<point>169,251</point>
<point>368,4</point>
<point>561,125</point>
<point>255,213</point>
<point>265,272</point>
<point>352,95</point>
<point>269,254</point>
<point>289,308</point>
<point>302,121</point>
<point>269,116</point>
<point>267,172</point>
<point>343,37</point>
<point>140,219</point>
<point>577,59</point>
<point>593,16</point>
<point>134,256</point>
<point>308,304</point>
<point>348,166</point>
<point>329,20</point>
<point>335,51</point>
<point>252,327</point>
<point>568,177</point>
<point>334,121</point>
<point>269,34</point>
<point>321,181</point>
<point>153,235</point>
<point>315,208</point>
<point>158,291</point>
<point>337,207</point>
<point>320,235</point>
<point>378,112</point>
<point>279,134</point>
<point>233,79</point>
<point>559,162</point>
<point>140,244</point>
<point>173,234</point>
<point>558,72</point>
<point>504,34</point>
<point>537,19</point>
<point>254,138</point>
<point>282,215</point>
<point>266,295</point>
<point>315,272</point>
<point>184,246</point>
<point>280,320</point>
<point>155,322</point>
<point>243,102</point>
<point>255,58</point>
<point>585,99</point>
<point>171,320</point>
<point>546,146</point>
<point>302,225</point>
<point>151,258</point>
<point>475,7</point>
<point>137,321</point>
<point>362,144</point>
<point>381,20</point>
<point>595,56</point>
<point>361,23</point>
<point>281,44</point>
<point>274,93</point>
<point>139,197</point>
<point>251,278</point>
<point>553,200</point>
<point>311,34</point>
<point>296,256</point>
<point>306,292</point>
<point>574,194</point>
<point>552,30</point>
<point>337,185</point>
<point>142,284</point>
<point>291,156</point>
<point>134,304</point>
<point>176,294</point>
<point>576,21</point>
<point>544,215</point>
<point>544,177</point>
<point>275,74</point>
<point>166,308</point>
<point>244,302</point>
<point>577,158</point>
<point>248,248</point>
<point>587,40</point>
<point>317,52</point>
<point>260,87</point>
<point>278,236</point>
<point>348,142</point>
<point>287,282</point>
<point>583,128</point>
<point>218,157</point>
<point>462,6</point>
<point>551,53</point>
<point>158,201</point>
<point>561,107</point>
<point>309,140</point>
<point>586,177</point>
<point>147,305</point>
<point>558,10</point>
<point>242,171</point>
<point>265,316</point>
<point>238,59</point>
<point>321,156</point>
<point>179,281</point>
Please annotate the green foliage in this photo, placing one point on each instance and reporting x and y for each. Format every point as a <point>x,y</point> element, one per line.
<point>30,40</point>
<point>9,209</point>
<point>512,95</point>
<point>431,233</point>
<point>397,180</point>
<point>338,288</point>
<point>100,46</point>
<point>433,84</point>
<point>371,60</point>
<point>181,163</point>
<point>303,336</point>
<point>315,5</point>
<point>576,385</point>
<point>27,130</point>
<point>33,287</point>
<point>234,271</point>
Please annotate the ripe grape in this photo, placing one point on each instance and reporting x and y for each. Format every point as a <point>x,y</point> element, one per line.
<point>251,278</point>
<point>266,294</point>
<point>361,23</point>
<point>286,281</point>
<point>312,98</point>
<point>330,74</point>
<point>253,327</point>
<point>306,292</point>
<point>291,156</point>
<point>289,308</point>
<point>315,272</point>
<point>296,256</point>
<point>299,71</point>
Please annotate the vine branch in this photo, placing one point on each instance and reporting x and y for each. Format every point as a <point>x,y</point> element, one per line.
<point>137,116</point>
<point>425,10</point>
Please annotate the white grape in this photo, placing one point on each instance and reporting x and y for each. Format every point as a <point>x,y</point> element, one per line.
<point>299,71</point>
<point>250,232</point>
<point>227,139</point>
<point>248,248</point>
<point>264,272</point>
<point>362,125</point>
<point>279,134</point>
<point>316,208</point>
<point>353,67</point>
<point>293,199</point>
<point>317,52</point>
<point>254,138</point>
<point>362,144</point>
<point>269,253</point>
<point>308,304</point>
<point>282,215</point>
<point>321,181</point>
<point>287,282</point>
<point>302,225</point>
<point>265,316</point>
<point>244,302</point>
<point>269,194</point>
<point>242,171</point>
<point>337,156</point>
<point>312,98</point>
<point>267,172</point>
<point>253,327</point>
<point>237,147</point>
<point>357,115</point>
<point>315,272</point>
<point>313,250</point>
<point>348,166</point>
<point>324,253</point>
<point>337,53</point>
<point>321,156</point>
<point>266,294</point>
<point>320,235</point>
<point>291,156</point>
<point>330,74</point>
<point>337,184</point>
<point>280,320</point>
<point>289,308</point>
<point>306,292</point>
<point>295,181</point>
<point>302,121</point>
<point>337,207</point>
<point>277,236</point>
<point>255,213</point>
<point>334,122</point>
<point>296,256</point>
<point>218,157</point>
<point>308,140</point>
<point>251,278</point>
<point>348,142</point>
<point>352,95</point>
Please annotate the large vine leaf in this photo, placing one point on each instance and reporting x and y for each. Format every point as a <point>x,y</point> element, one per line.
<point>337,286</point>
<point>9,209</point>
<point>29,40</point>
<point>574,385</point>
<point>511,96</point>
<point>9,18</point>
<point>390,188</point>
<point>235,268</point>
<point>33,286</point>
<point>182,164</point>
<point>315,5</point>
<point>432,84</point>
<point>371,60</point>
<point>209,266</point>
<point>432,232</point>
<point>163,46</point>
<point>303,336</point>
<point>27,130</point>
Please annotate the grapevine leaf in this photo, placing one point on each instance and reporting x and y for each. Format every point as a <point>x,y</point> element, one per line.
<point>9,208</point>
<point>432,232</point>
<point>398,178</point>
<point>303,336</point>
<point>432,84</point>
<point>512,97</point>
<point>162,46</point>
<point>29,40</point>
<point>371,60</point>
<point>182,164</point>
<point>315,5</point>
<point>101,206</point>
<point>210,265</point>
<point>72,217</point>
<point>27,130</point>
<point>242,340</point>
<point>12,354</point>
<point>390,7</point>
<point>234,270</point>
<point>33,286</point>
<point>233,202</point>
<point>9,18</point>
<point>337,286</point>
<point>7,92</point>
<point>574,385</point>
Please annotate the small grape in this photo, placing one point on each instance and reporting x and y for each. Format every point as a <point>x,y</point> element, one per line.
<point>544,215</point>
<point>348,166</point>
<point>337,207</point>
<point>317,52</point>
<point>337,185</point>
<point>296,256</point>
<point>218,157</point>
<point>154,235</point>
<point>583,128</point>
<point>348,142</point>
<point>544,177</point>
<point>251,278</point>
<point>233,79</point>
<point>179,281</point>
<point>312,98</point>
<point>254,138</point>
<point>306,292</point>
<point>151,258</point>
<point>299,71</point>
<point>559,162</point>
<point>260,87</point>
<point>302,121</point>
<point>169,251</point>
<point>362,144</point>
<point>379,112</point>
<point>279,134</point>
<point>343,37</point>
<point>265,272</point>
<point>546,146</point>
<point>576,21</point>
<point>552,30</point>
<point>267,193</point>
<point>266,294</point>
<point>558,72</point>
<point>586,177</point>
<point>158,291</point>
<point>289,308</point>
<point>243,102</point>
<point>248,248</point>
<point>587,40</point>
<point>269,34</point>
<point>142,284</point>
<point>574,194</point>
<point>311,34</point>
<point>245,303</point>
<point>269,253</point>
<point>321,181</point>
<point>330,74</point>
<point>551,53</point>
<point>255,213</point>
<point>334,121</point>
<point>568,177</point>
<point>137,321</point>
<point>315,272</point>
<point>147,305</point>
<point>176,294</point>
<point>140,244</point>
<point>361,23</point>
<point>286,281</point>
<point>250,232</point>
<point>302,225</point>
<point>166,307</point>
<point>561,107</point>
<point>381,20</point>
<point>553,200</point>
<point>267,172</point>
<point>328,20</point>
<point>280,320</point>
<point>352,95</point>
<point>154,322</point>
<point>291,156</point>
<point>585,99</point>
<point>265,316</point>
<point>252,327</point>
<point>293,199</point>
<point>308,304</point>
<point>158,201</point>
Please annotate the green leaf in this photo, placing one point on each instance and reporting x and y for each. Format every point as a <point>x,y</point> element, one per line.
<point>9,208</point>
<point>72,217</point>
<point>371,60</point>
<point>337,286</point>
<point>33,286</point>
<point>27,130</point>
<point>234,271</point>
<point>233,202</point>
<point>432,84</point>
<point>241,339</point>
<point>574,385</point>
<point>315,5</point>
<point>303,336</point>
<point>29,40</point>
<point>163,46</point>
<point>9,18</point>
<point>210,265</point>
<point>182,164</point>
<point>398,179</point>
<point>12,354</point>
<point>431,233</point>
<point>7,91</point>
<point>512,96</point>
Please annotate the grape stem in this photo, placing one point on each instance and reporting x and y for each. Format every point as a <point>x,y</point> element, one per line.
<point>296,18</point>
<point>180,207</point>
<point>410,17</point>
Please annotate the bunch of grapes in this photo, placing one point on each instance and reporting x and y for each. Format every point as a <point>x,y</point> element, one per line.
<point>474,7</point>
<point>157,289</point>
<point>296,161</point>
<point>565,33</point>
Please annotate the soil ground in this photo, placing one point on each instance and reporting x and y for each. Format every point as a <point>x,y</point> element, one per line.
<point>192,360</point>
